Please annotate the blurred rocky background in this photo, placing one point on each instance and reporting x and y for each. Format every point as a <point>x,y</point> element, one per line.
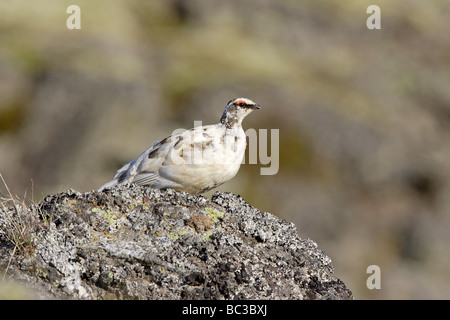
<point>364,115</point>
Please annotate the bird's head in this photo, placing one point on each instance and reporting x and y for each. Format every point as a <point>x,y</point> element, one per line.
<point>236,110</point>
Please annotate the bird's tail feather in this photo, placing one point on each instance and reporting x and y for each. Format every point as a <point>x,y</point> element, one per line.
<point>110,184</point>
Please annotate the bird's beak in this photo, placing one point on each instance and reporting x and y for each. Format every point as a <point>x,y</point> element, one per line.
<point>256,107</point>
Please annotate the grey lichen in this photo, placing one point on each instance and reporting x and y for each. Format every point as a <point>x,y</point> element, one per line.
<point>133,242</point>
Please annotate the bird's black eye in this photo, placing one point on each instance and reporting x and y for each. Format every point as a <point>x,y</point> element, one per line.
<point>242,104</point>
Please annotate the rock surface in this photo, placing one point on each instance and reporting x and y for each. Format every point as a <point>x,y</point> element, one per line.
<point>137,243</point>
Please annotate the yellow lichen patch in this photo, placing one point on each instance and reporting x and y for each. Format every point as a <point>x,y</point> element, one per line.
<point>215,216</point>
<point>108,215</point>
<point>176,234</point>
<point>207,236</point>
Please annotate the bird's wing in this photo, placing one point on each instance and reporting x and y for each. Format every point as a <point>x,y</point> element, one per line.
<point>164,162</point>
<point>151,159</point>
<point>145,170</point>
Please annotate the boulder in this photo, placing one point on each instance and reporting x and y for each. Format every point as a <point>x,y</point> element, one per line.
<point>132,242</point>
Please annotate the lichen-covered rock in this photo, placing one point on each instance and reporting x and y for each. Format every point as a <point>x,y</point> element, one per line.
<point>136,243</point>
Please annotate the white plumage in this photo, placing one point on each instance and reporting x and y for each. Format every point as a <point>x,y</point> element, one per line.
<point>195,160</point>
